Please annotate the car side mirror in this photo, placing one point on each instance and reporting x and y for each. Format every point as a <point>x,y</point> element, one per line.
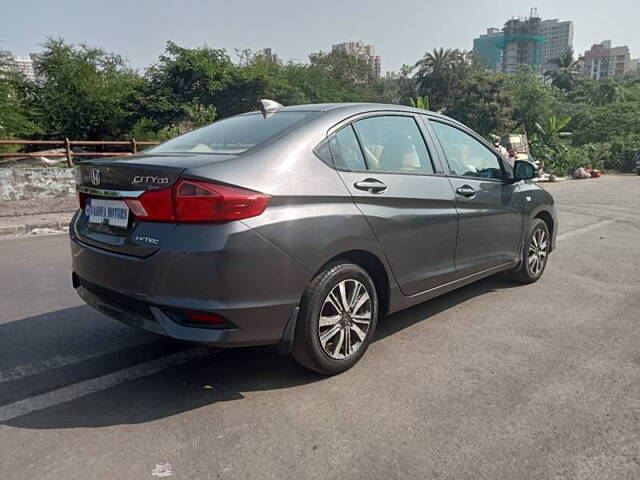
<point>523,170</point>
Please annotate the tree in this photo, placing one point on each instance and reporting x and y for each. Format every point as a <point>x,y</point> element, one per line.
<point>206,79</point>
<point>443,74</point>
<point>83,94</point>
<point>554,127</point>
<point>435,65</point>
<point>432,77</point>
<point>566,71</point>
<point>609,91</point>
<point>420,102</point>
<point>483,104</point>
<point>353,74</point>
<point>14,119</point>
<point>547,143</point>
<point>532,100</point>
<point>457,84</point>
<point>601,124</point>
<point>400,88</point>
<point>197,76</point>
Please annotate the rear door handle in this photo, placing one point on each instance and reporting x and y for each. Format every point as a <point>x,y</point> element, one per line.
<point>466,191</point>
<point>371,185</point>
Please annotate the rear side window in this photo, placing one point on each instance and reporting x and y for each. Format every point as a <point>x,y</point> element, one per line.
<point>466,156</point>
<point>394,144</point>
<point>233,135</point>
<point>346,150</point>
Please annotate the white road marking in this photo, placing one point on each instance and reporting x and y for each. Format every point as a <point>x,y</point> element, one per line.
<point>77,390</point>
<point>80,389</point>
<point>586,228</point>
<point>57,362</point>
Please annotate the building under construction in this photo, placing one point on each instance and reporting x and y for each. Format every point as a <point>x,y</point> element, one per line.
<point>524,41</point>
<point>521,43</point>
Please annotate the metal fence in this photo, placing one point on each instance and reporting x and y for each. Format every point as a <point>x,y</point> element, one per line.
<point>133,146</point>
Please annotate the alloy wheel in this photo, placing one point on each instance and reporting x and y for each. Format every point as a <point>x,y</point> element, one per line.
<point>345,319</point>
<point>538,251</point>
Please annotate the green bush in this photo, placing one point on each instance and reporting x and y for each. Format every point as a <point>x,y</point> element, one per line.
<point>623,150</point>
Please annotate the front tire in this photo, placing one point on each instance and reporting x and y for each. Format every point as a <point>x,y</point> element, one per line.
<point>337,320</point>
<point>535,253</point>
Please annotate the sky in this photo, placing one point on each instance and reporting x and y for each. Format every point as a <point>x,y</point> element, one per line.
<point>401,30</point>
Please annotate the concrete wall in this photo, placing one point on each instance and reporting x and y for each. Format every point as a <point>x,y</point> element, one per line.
<point>36,183</point>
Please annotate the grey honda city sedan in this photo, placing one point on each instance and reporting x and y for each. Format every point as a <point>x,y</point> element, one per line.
<point>301,226</point>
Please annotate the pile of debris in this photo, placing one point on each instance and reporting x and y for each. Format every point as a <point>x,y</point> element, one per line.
<point>586,172</point>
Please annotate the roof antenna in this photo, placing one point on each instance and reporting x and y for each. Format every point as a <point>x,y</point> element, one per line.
<point>269,107</point>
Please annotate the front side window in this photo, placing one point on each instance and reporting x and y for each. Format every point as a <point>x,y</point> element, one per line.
<point>394,144</point>
<point>466,156</point>
<point>233,135</point>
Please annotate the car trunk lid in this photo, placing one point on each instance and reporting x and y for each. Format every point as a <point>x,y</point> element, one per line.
<point>106,221</point>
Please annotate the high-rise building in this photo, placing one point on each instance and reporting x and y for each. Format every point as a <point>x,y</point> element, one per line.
<point>23,65</point>
<point>359,49</point>
<point>489,47</point>
<point>524,41</point>
<point>603,61</point>
<point>270,55</point>
<point>558,39</point>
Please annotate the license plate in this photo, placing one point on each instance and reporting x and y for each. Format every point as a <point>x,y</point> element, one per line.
<point>115,212</point>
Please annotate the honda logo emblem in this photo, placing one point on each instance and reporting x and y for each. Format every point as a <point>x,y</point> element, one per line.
<point>95,176</point>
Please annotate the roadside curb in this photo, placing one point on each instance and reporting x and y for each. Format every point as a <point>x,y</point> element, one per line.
<point>25,226</point>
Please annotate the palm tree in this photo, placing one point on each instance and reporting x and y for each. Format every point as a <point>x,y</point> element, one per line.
<point>436,63</point>
<point>434,69</point>
<point>565,72</point>
<point>434,66</point>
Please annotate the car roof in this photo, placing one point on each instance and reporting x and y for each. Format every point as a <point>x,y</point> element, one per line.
<point>356,108</point>
<point>348,109</point>
<point>333,113</point>
<point>353,108</point>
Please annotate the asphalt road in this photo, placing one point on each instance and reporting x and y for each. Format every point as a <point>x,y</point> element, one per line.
<point>492,381</point>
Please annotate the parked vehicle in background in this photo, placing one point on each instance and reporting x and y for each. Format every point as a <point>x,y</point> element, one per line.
<point>301,226</point>
<point>637,163</point>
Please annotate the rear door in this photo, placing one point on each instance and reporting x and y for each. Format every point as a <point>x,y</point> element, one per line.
<point>385,163</point>
<point>489,209</point>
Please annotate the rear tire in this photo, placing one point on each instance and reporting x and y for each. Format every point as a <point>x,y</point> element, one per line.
<point>337,319</point>
<point>535,253</point>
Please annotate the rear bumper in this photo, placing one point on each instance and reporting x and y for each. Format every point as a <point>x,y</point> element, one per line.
<point>225,269</point>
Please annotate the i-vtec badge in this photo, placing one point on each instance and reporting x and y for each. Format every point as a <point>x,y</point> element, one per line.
<point>140,179</point>
<point>149,240</point>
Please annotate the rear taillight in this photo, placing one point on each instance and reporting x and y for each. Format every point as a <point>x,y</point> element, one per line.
<point>153,206</point>
<point>192,201</point>
<point>197,201</point>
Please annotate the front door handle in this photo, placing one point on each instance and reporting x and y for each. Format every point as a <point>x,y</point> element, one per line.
<point>371,185</point>
<point>466,191</point>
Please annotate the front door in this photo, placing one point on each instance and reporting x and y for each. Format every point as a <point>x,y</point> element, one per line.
<point>490,210</point>
<point>384,162</point>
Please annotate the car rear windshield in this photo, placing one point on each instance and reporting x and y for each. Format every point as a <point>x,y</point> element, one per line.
<point>234,135</point>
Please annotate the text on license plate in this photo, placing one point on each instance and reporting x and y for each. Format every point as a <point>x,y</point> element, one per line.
<point>115,212</point>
